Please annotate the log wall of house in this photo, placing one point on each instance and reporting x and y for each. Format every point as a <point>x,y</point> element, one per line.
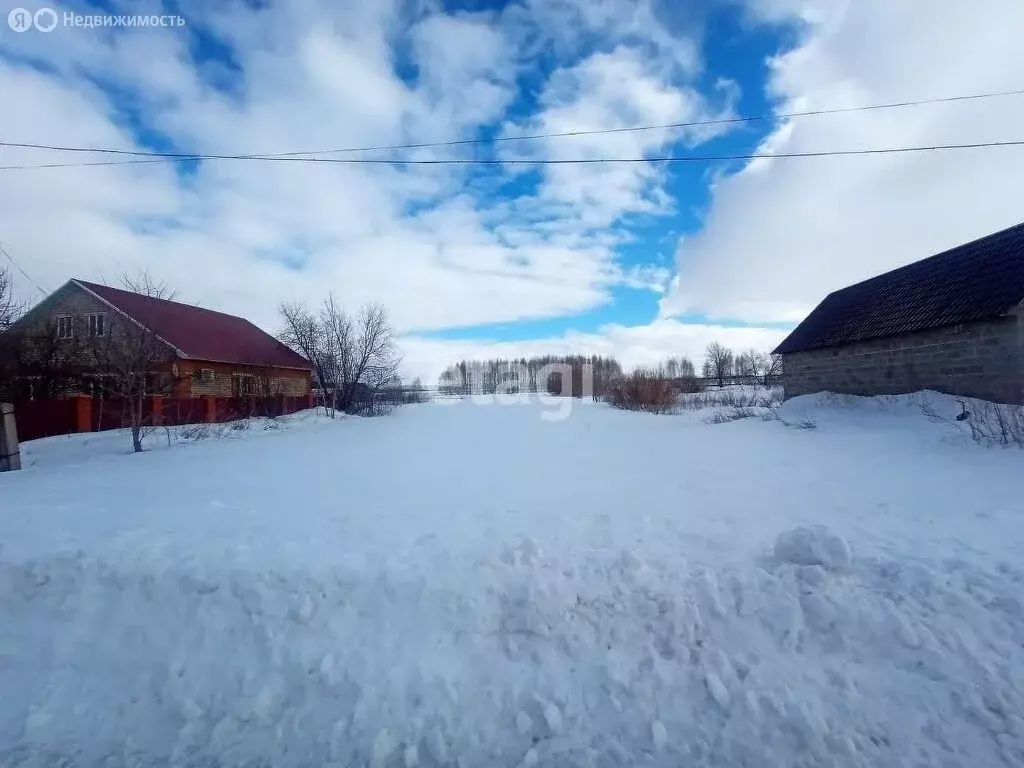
<point>983,359</point>
<point>197,377</point>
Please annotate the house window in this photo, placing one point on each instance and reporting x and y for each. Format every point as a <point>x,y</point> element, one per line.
<point>245,384</point>
<point>205,376</point>
<point>65,326</point>
<point>97,324</point>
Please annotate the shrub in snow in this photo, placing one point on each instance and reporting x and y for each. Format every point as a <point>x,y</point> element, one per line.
<point>643,390</point>
<point>803,422</point>
<point>789,417</point>
<point>740,398</point>
<point>815,545</point>
<point>733,414</point>
<point>986,423</point>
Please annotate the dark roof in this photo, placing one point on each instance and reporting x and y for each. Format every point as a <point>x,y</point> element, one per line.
<point>198,333</point>
<point>980,280</point>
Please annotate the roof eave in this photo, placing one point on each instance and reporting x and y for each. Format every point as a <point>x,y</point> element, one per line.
<point>250,364</point>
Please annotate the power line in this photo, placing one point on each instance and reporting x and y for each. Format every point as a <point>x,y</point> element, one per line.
<point>580,161</point>
<point>497,139</point>
<point>24,274</point>
<point>666,126</point>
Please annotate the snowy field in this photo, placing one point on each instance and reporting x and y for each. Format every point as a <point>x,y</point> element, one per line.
<point>463,585</point>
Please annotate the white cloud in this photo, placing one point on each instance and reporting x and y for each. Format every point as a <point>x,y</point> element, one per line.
<point>616,89</point>
<point>783,233</point>
<point>436,245</point>
<point>569,27</point>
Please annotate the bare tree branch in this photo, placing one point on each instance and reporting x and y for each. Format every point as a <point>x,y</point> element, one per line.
<point>143,283</point>
<point>133,362</point>
<point>10,309</point>
<point>718,362</point>
<point>353,360</point>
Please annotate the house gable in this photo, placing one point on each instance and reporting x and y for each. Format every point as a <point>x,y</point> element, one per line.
<point>124,316</point>
<point>40,315</point>
<point>73,301</point>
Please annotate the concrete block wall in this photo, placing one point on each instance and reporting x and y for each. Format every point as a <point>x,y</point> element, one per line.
<point>984,360</point>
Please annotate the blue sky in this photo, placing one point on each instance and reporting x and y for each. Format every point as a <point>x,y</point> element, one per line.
<point>640,261</point>
<point>735,53</point>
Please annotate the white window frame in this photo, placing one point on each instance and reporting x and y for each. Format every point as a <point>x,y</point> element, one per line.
<point>92,324</point>
<point>70,327</point>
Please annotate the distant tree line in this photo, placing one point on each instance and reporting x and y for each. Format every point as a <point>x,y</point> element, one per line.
<point>658,389</point>
<point>571,375</point>
<point>598,376</point>
<point>722,366</point>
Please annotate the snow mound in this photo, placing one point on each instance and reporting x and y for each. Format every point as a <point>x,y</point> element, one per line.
<point>814,545</point>
<point>210,667</point>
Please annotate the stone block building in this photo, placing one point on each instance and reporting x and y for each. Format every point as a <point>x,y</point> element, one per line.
<point>953,322</point>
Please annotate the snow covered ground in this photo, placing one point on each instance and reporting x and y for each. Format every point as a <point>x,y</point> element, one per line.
<point>466,585</point>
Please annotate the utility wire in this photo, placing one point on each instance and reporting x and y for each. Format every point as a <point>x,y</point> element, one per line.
<point>24,274</point>
<point>581,161</point>
<point>497,139</point>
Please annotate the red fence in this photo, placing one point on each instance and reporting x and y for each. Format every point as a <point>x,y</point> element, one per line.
<point>42,418</point>
<point>81,413</point>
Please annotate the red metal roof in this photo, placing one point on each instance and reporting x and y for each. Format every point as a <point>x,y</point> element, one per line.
<point>198,333</point>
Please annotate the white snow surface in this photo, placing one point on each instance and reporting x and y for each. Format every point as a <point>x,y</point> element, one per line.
<point>467,585</point>
<point>815,545</point>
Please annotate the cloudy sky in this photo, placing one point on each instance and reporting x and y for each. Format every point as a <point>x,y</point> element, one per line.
<point>639,260</point>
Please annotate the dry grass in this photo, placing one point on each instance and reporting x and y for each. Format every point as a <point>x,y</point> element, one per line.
<point>992,424</point>
<point>728,405</point>
<point>742,398</point>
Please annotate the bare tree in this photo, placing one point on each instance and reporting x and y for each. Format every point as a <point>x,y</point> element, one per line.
<point>144,284</point>
<point>683,367</point>
<point>338,351</point>
<point>448,382</point>
<point>750,365</point>
<point>771,370</point>
<point>374,361</point>
<point>133,362</point>
<point>718,362</point>
<point>353,359</point>
<point>303,332</point>
<point>10,309</point>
